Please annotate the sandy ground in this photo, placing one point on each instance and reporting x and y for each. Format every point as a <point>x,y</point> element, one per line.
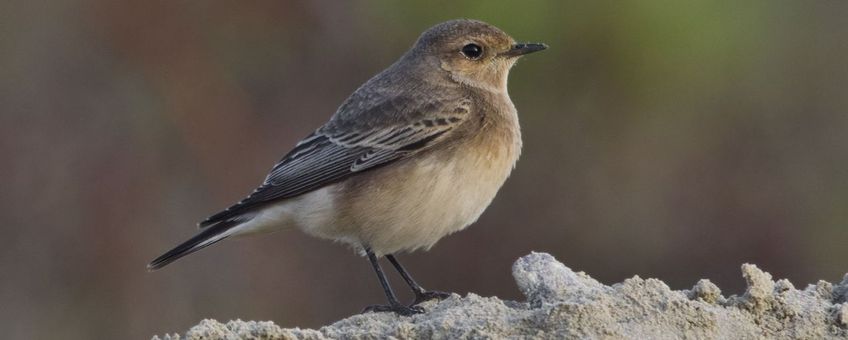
<point>564,304</point>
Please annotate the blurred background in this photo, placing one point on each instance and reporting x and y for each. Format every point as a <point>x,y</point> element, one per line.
<point>667,139</point>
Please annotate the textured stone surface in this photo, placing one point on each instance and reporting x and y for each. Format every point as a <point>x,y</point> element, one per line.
<point>564,304</point>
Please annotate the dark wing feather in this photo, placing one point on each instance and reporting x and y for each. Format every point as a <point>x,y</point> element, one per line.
<point>326,157</point>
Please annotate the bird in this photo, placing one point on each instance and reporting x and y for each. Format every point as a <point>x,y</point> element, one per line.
<point>416,153</point>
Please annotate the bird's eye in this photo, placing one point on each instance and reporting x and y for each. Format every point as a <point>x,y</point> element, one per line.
<point>472,51</point>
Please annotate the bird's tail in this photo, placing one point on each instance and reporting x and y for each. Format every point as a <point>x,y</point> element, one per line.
<point>206,237</point>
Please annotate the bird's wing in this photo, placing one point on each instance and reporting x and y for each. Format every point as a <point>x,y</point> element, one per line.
<point>334,152</point>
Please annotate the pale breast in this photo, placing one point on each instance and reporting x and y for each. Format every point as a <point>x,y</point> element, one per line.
<point>413,204</point>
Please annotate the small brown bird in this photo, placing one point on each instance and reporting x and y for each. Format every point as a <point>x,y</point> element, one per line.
<point>416,153</point>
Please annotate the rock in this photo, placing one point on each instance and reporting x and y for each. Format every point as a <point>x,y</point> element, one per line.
<point>562,303</point>
<point>706,291</point>
<point>543,279</point>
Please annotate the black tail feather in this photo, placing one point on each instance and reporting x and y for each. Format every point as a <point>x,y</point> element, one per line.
<point>193,244</point>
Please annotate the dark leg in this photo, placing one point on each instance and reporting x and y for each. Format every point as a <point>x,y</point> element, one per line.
<point>421,295</point>
<point>394,305</point>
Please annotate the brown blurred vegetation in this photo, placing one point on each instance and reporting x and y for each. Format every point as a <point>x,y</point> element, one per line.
<point>668,139</point>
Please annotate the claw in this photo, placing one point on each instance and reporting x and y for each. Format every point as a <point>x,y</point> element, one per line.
<point>397,309</point>
<point>430,295</point>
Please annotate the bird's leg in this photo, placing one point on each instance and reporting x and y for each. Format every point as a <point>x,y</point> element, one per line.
<point>394,305</point>
<point>421,294</point>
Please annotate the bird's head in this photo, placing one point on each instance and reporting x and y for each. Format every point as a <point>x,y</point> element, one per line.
<point>472,52</point>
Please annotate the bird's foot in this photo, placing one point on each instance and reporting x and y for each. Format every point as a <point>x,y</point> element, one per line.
<point>430,295</point>
<point>397,308</point>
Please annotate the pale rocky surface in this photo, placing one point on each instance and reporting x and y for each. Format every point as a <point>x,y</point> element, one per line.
<point>562,304</point>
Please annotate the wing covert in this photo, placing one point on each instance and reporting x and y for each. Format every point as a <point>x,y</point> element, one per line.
<point>329,155</point>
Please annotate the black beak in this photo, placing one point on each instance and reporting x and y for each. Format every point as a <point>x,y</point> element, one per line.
<point>523,48</point>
